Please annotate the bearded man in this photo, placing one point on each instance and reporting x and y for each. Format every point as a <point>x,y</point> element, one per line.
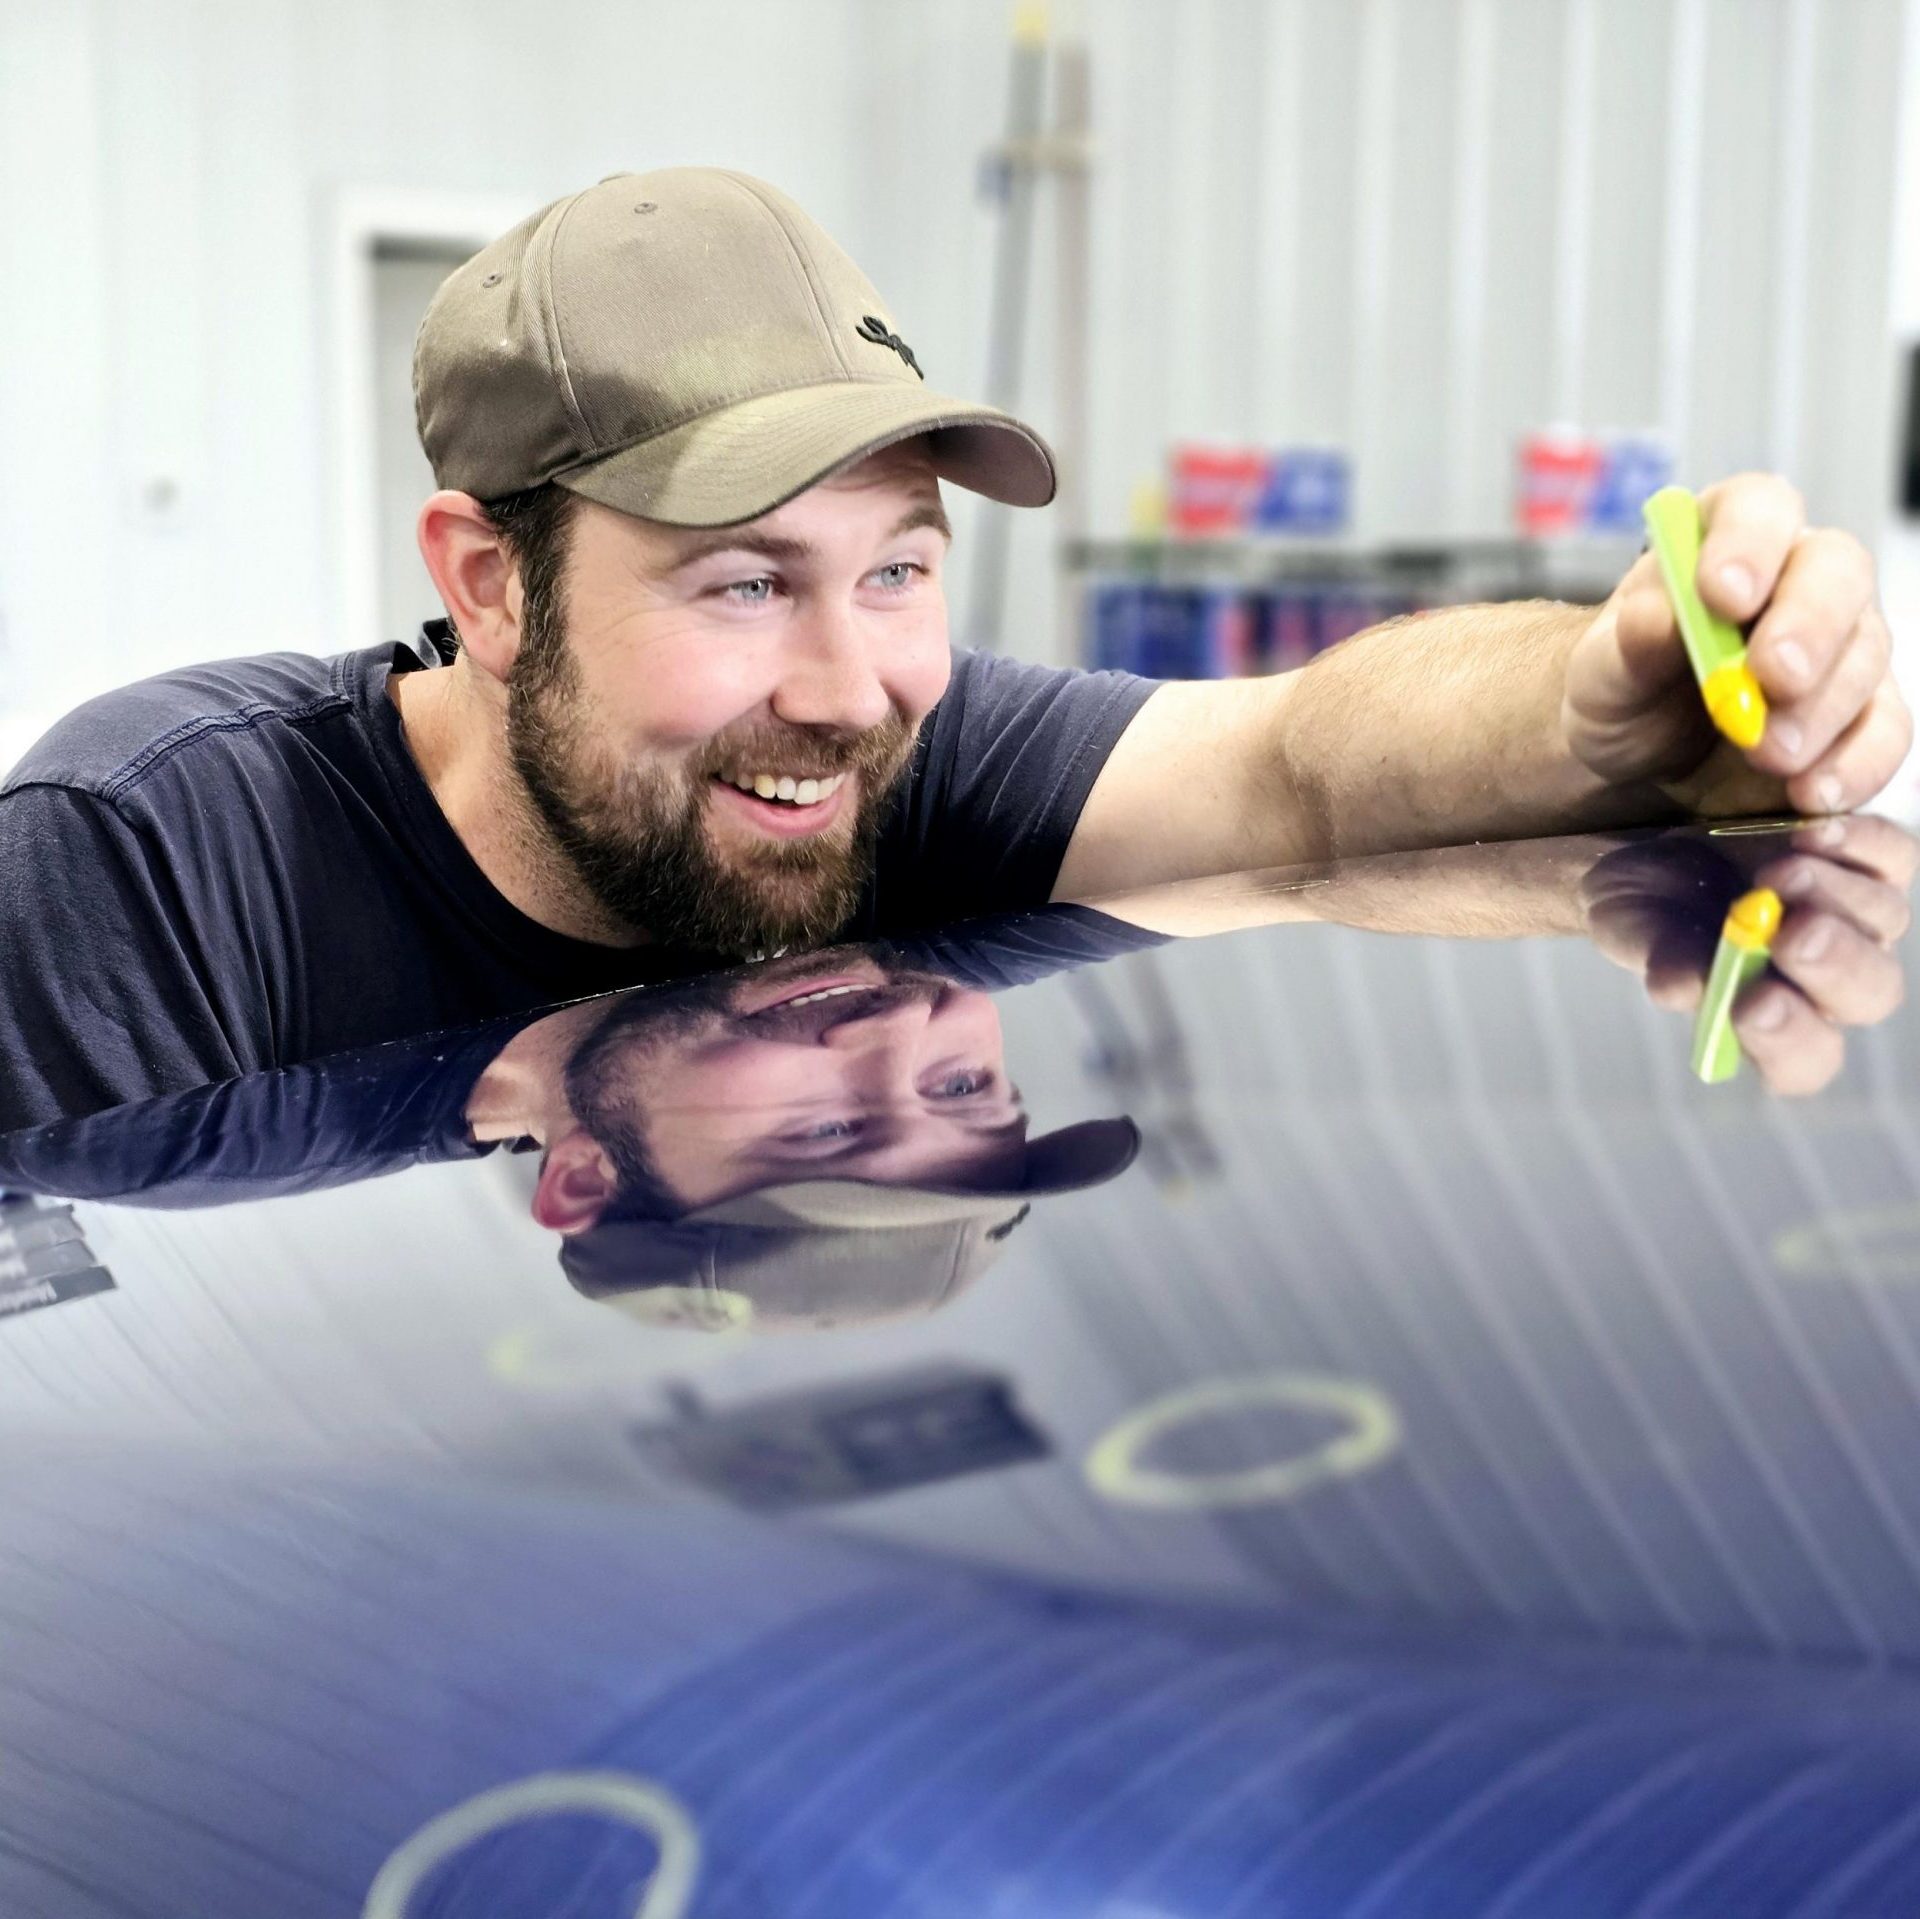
<point>694,697</point>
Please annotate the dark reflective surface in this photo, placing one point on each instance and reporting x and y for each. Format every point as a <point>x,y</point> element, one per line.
<point>775,1446</point>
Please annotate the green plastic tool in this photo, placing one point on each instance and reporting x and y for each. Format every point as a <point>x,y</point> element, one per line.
<point>1716,647</point>
<point>1746,943</point>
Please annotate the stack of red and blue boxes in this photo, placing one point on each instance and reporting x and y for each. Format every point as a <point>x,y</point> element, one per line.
<point>1174,628</point>
<point>1587,484</point>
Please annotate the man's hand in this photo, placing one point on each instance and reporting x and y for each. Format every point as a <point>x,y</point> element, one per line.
<point>1656,908</point>
<point>1515,721</point>
<point>1837,728</point>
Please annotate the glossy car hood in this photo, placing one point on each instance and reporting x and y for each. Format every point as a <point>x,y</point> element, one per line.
<point>1439,1457</point>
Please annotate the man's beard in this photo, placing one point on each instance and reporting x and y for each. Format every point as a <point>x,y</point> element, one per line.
<point>638,840</point>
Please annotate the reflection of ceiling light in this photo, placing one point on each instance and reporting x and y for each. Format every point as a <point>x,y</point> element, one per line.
<point>644,1804</point>
<point>1372,1434</point>
<point>1864,1242</point>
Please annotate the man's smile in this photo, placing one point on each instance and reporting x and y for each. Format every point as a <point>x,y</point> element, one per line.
<point>786,819</point>
<point>806,790</point>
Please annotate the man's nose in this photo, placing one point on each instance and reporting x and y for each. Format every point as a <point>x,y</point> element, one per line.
<point>828,676</point>
<point>882,1047</point>
<point>901,1014</point>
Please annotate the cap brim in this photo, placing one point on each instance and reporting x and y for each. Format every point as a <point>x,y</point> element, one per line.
<point>747,459</point>
<point>1068,1161</point>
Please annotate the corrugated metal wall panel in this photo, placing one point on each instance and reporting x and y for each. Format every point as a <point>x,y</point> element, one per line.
<point>1312,222</point>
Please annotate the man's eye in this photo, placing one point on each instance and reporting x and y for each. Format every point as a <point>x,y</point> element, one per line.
<point>962,1085</point>
<point>826,1129</point>
<point>898,575</point>
<point>755,592</point>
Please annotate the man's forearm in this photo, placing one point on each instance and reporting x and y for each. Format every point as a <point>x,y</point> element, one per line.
<point>1445,727</point>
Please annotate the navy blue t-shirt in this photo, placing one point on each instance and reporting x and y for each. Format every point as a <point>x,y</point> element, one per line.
<point>363,1115</point>
<point>237,866</point>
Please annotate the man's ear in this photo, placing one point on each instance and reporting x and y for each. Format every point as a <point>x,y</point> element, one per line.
<point>576,1185</point>
<point>478,582</point>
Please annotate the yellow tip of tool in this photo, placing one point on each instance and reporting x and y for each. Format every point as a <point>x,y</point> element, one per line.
<point>1735,701</point>
<point>1753,919</point>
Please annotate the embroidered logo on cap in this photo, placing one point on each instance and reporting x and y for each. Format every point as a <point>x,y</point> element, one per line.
<point>880,334</point>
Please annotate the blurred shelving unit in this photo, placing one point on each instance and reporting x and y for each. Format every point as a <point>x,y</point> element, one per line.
<point>1177,606</point>
<point>1479,569</point>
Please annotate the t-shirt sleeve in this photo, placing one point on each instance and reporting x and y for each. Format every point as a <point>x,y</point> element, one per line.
<point>100,1001</point>
<point>1023,948</point>
<point>1003,769</point>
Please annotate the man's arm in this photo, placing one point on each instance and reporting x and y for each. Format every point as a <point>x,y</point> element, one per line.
<point>1424,732</point>
<point>1509,721</point>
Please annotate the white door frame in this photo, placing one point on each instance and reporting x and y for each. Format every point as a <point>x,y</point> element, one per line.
<point>364,218</point>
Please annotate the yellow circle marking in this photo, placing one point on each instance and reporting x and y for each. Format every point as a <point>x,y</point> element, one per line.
<point>639,1803</point>
<point>1873,1242</point>
<point>1372,1434</point>
<point>527,1358</point>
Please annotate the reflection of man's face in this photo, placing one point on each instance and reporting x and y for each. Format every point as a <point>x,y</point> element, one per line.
<point>829,1067</point>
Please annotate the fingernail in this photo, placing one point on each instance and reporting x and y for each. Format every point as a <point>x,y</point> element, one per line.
<point>1790,661</point>
<point>1787,737</point>
<point>1736,581</point>
<point>1829,833</point>
<point>1794,882</point>
<point>1764,1017</point>
<point>1827,792</point>
<point>1814,941</point>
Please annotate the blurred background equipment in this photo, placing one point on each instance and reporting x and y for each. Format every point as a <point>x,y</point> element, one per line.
<point>1430,291</point>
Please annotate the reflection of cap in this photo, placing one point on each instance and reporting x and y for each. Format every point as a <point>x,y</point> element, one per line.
<point>822,1252</point>
<point>688,346</point>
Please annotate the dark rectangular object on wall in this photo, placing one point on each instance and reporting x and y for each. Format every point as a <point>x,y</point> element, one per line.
<point>1910,439</point>
<point>837,1443</point>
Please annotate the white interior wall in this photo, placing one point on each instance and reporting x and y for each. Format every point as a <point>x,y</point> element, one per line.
<point>172,170</point>
<point>1411,227</point>
<point>1419,228</point>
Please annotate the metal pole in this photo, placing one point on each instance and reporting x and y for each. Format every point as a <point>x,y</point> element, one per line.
<point>1799,49</point>
<point>1679,274</point>
<point>1073,119</point>
<point>1011,176</point>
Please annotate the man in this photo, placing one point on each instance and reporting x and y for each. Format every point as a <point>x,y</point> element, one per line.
<point>835,1136</point>
<point>694,694</point>
<point>831,1136</point>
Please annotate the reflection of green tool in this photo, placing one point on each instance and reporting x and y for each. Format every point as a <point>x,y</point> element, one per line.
<point>1715,646</point>
<point>1746,940</point>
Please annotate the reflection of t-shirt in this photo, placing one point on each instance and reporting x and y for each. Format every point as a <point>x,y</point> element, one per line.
<point>237,866</point>
<point>379,1111</point>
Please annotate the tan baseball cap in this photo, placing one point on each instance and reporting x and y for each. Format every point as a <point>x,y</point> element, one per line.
<point>689,347</point>
<point>814,1254</point>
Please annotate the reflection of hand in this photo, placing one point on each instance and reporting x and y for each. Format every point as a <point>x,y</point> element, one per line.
<point>1838,728</point>
<point>1656,908</point>
<point>1495,889</point>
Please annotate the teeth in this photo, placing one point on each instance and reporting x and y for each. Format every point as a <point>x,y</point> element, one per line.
<point>829,992</point>
<point>783,786</point>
